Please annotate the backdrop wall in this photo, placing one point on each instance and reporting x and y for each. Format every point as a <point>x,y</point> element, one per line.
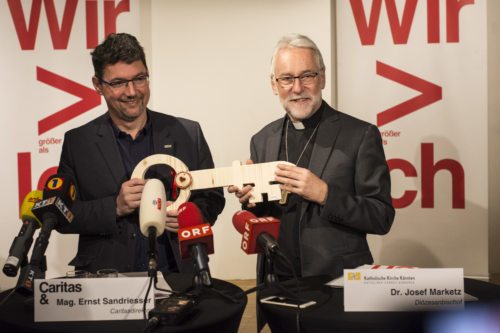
<point>418,70</point>
<point>209,61</point>
<point>47,88</point>
<point>212,63</point>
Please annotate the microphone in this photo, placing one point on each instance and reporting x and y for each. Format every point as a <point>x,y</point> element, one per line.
<point>58,196</point>
<point>195,240</point>
<point>18,252</point>
<point>259,233</point>
<point>152,218</point>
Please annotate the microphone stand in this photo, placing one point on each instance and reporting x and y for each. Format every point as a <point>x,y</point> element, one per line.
<point>202,278</point>
<point>202,273</point>
<point>26,280</point>
<point>152,253</point>
<point>28,274</point>
<point>270,279</point>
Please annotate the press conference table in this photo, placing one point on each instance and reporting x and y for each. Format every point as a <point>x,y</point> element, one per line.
<point>213,313</point>
<point>328,314</point>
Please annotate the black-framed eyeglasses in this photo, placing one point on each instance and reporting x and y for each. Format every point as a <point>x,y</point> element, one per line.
<point>138,82</point>
<point>306,79</point>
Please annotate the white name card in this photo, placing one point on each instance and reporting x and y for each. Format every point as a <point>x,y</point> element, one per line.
<point>120,298</point>
<point>404,289</point>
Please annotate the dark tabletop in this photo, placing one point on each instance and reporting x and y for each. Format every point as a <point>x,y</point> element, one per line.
<point>212,313</point>
<point>328,314</point>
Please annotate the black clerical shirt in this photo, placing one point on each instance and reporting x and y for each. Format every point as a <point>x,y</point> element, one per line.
<point>299,145</point>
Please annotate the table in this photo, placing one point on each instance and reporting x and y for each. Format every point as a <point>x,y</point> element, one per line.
<point>213,313</point>
<point>328,314</point>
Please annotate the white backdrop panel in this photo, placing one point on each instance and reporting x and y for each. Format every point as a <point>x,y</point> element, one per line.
<point>28,100</point>
<point>211,63</point>
<point>454,127</point>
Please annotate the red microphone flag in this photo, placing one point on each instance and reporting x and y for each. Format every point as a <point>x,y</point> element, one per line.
<point>251,226</point>
<point>193,229</point>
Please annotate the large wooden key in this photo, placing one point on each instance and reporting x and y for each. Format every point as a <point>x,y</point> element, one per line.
<point>260,176</point>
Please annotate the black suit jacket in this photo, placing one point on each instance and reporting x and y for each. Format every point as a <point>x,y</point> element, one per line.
<point>90,154</point>
<point>348,155</point>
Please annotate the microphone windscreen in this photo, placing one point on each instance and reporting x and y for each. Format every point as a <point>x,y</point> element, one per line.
<point>61,186</point>
<point>189,215</point>
<point>251,227</point>
<point>30,199</point>
<point>152,211</point>
<point>193,230</point>
<point>239,219</point>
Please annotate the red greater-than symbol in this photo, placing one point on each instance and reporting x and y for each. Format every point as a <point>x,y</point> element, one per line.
<point>430,93</point>
<point>89,99</point>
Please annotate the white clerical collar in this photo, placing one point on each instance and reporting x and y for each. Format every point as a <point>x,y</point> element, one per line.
<point>298,125</point>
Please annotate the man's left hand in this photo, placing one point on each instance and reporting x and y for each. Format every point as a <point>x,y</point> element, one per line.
<point>171,222</point>
<point>302,182</point>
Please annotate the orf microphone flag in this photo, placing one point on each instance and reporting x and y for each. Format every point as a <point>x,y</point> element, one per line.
<point>259,233</point>
<point>152,215</point>
<point>195,240</point>
<point>21,245</point>
<point>193,229</point>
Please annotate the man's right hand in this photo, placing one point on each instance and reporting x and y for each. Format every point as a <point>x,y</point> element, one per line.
<point>244,194</point>
<point>129,197</point>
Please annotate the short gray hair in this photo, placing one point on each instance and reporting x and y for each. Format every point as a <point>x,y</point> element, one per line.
<point>299,41</point>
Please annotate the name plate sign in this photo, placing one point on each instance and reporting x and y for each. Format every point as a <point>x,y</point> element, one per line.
<point>404,289</point>
<point>120,298</point>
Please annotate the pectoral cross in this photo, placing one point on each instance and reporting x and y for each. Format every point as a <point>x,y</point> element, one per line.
<point>284,197</point>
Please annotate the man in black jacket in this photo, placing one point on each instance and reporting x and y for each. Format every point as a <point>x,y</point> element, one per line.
<point>340,187</point>
<point>102,154</point>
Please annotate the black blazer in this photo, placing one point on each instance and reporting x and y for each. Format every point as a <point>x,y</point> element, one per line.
<point>90,154</point>
<point>348,155</point>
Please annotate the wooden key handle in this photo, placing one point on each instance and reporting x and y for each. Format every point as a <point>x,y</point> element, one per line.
<point>260,175</point>
<point>182,179</point>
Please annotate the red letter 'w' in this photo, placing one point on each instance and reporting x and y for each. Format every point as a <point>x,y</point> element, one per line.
<point>367,30</point>
<point>27,35</point>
